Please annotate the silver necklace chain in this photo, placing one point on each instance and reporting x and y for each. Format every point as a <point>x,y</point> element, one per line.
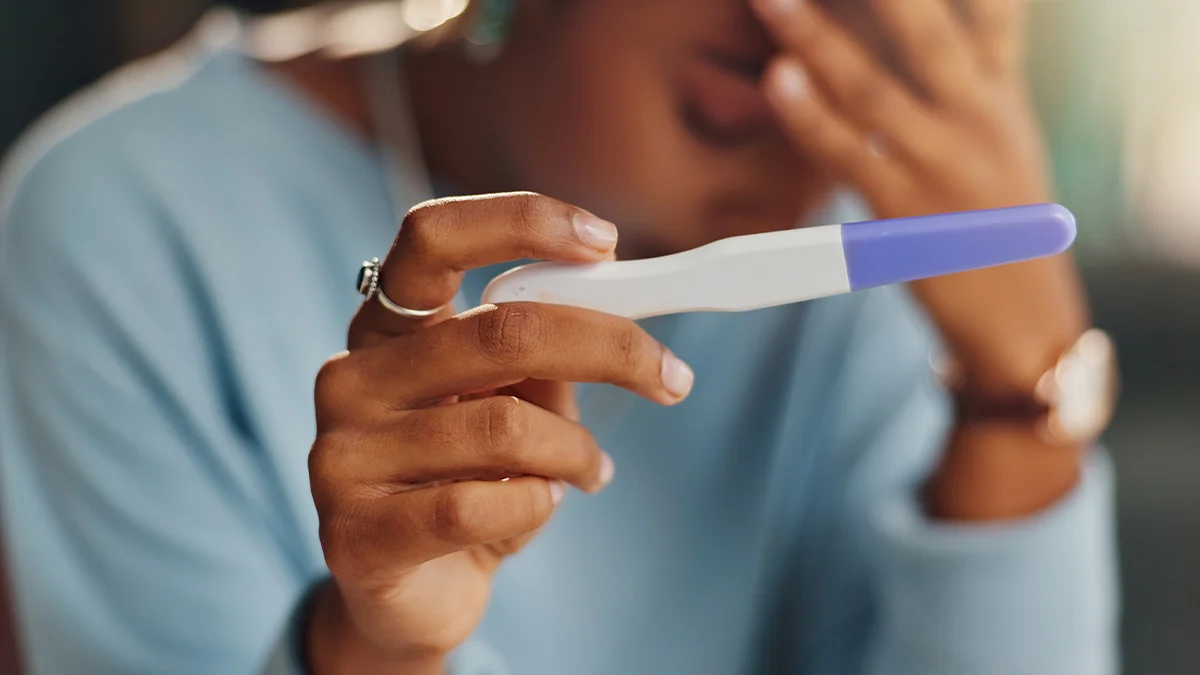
<point>390,108</point>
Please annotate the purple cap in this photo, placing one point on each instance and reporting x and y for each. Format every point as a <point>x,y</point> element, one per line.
<point>881,252</point>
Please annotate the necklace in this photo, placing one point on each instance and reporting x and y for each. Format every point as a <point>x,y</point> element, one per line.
<point>409,183</point>
<point>390,108</point>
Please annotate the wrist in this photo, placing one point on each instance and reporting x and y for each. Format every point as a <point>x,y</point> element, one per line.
<point>1005,326</point>
<point>1011,455</point>
<point>999,471</point>
<point>334,645</point>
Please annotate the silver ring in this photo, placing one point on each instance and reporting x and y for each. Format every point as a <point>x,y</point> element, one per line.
<point>877,145</point>
<point>368,286</point>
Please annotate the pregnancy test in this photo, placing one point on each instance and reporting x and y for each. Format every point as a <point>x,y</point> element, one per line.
<point>779,268</point>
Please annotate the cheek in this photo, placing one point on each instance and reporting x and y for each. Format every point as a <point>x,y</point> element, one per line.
<point>599,126</point>
<point>606,135</point>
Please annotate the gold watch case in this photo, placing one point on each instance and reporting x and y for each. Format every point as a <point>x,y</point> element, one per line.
<point>1080,391</point>
<point>1071,404</point>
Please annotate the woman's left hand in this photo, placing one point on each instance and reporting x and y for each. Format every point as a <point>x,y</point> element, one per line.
<point>957,134</point>
<point>954,132</point>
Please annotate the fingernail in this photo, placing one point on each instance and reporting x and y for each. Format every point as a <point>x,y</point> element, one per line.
<point>557,489</point>
<point>790,80</point>
<point>598,235</point>
<point>607,469</point>
<point>677,377</point>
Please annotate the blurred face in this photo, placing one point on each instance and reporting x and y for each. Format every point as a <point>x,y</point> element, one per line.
<point>648,112</point>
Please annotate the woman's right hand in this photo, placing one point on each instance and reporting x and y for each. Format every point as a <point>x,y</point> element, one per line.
<point>444,444</point>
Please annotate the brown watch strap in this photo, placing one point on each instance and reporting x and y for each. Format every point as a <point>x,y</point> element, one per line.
<point>974,408</point>
<point>1086,375</point>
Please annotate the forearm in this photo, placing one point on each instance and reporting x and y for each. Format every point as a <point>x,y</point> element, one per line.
<point>1033,596</point>
<point>998,472</point>
<point>1008,564</point>
<point>1006,327</point>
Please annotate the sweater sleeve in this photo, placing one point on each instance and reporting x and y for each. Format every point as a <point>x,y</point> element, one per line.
<point>141,529</point>
<point>472,658</point>
<point>1036,595</point>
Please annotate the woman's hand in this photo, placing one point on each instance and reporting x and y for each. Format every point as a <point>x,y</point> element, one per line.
<point>443,445</point>
<point>954,130</point>
<point>956,133</point>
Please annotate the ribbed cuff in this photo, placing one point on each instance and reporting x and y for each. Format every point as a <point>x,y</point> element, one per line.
<point>1035,596</point>
<point>476,658</point>
<point>288,656</point>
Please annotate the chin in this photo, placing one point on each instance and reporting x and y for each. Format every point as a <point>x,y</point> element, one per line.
<point>737,227</point>
<point>643,240</point>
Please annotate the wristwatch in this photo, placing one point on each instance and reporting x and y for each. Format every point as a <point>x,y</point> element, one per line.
<point>1072,403</point>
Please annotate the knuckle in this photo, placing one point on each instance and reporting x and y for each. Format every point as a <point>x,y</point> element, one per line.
<point>869,96</point>
<point>322,462</point>
<point>336,378</point>
<point>505,428</point>
<point>422,225</point>
<point>531,229</point>
<point>432,432</point>
<point>532,211</point>
<point>630,350</point>
<point>332,376</point>
<point>537,508</point>
<point>455,518</point>
<point>510,332</point>
<point>338,532</point>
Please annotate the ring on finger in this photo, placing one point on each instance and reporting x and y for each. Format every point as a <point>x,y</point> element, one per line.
<point>877,145</point>
<point>368,286</point>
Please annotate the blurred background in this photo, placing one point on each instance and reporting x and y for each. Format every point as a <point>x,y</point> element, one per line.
<point>1118,86</point>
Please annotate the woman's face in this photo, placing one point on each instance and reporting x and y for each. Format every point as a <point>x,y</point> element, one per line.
<point>649,113</point>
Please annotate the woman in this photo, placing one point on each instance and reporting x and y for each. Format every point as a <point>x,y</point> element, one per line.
<point>175,272</point>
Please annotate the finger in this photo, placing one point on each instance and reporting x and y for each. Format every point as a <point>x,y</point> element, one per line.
<point>440,240</point>
<point>822,134</point>
<point>856,85</point>
<point>933,43</point>
<point>497,346</point>
<point>999,28</point>
<point>488,439</point>
<point>383,537</point>
<point>557,397</point>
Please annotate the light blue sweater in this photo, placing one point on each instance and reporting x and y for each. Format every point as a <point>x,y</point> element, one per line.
<point>176,261</point>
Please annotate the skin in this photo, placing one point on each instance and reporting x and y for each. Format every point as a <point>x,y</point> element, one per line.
<point>685,122</point>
